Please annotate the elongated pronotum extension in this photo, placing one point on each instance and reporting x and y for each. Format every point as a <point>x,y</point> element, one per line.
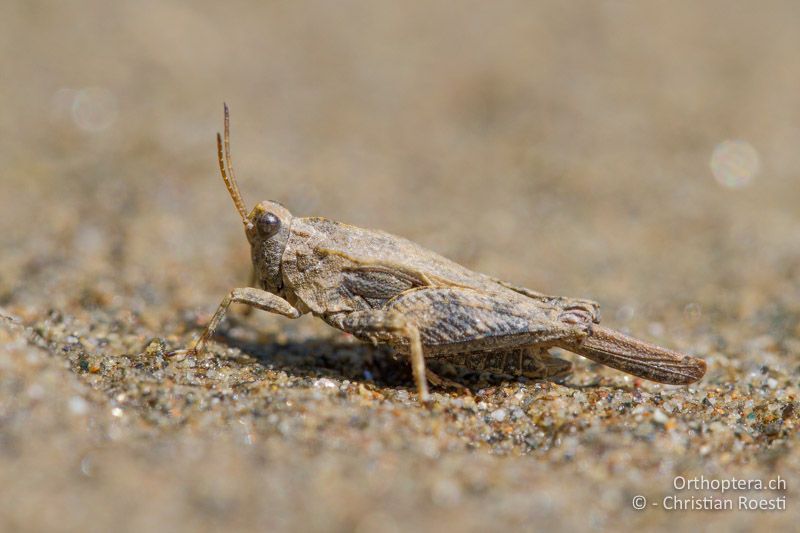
<point>639,358</point>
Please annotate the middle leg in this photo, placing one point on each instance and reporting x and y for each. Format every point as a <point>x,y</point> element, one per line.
<point>381,326</point>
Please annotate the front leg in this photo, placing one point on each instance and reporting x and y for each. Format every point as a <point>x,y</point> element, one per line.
<point>391,327</point>
<point>261,299</point>
<point>253,283</point>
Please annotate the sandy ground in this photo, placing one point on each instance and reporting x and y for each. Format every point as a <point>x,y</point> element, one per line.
<point>578,149</point>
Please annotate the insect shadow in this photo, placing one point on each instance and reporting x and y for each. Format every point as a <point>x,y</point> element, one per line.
<point>323,356</point>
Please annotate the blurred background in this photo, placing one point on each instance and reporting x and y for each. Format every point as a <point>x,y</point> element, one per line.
<point>566,147</point>
<point>643,154</point>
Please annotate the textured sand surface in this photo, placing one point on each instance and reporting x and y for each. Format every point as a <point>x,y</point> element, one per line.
<point>575,149</point>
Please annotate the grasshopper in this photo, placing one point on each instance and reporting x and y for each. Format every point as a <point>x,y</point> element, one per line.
<point>386,289</point>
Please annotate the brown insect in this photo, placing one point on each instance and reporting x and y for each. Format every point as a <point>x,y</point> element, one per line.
<point>386,289</point>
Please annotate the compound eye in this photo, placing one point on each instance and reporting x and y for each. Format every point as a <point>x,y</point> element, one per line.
<point>268,224</point>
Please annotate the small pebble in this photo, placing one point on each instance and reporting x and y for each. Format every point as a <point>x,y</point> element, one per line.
<point>499,415</point>
<point>325,383</point>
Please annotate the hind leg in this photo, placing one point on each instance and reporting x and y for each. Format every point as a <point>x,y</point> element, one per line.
<point>445,321</point>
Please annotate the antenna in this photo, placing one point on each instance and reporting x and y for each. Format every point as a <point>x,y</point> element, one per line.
<point>229,177</point>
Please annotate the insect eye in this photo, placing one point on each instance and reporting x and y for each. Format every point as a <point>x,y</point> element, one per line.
<point>268,224</point>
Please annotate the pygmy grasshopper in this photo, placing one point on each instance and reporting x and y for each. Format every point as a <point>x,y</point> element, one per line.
<point>386,289</point>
